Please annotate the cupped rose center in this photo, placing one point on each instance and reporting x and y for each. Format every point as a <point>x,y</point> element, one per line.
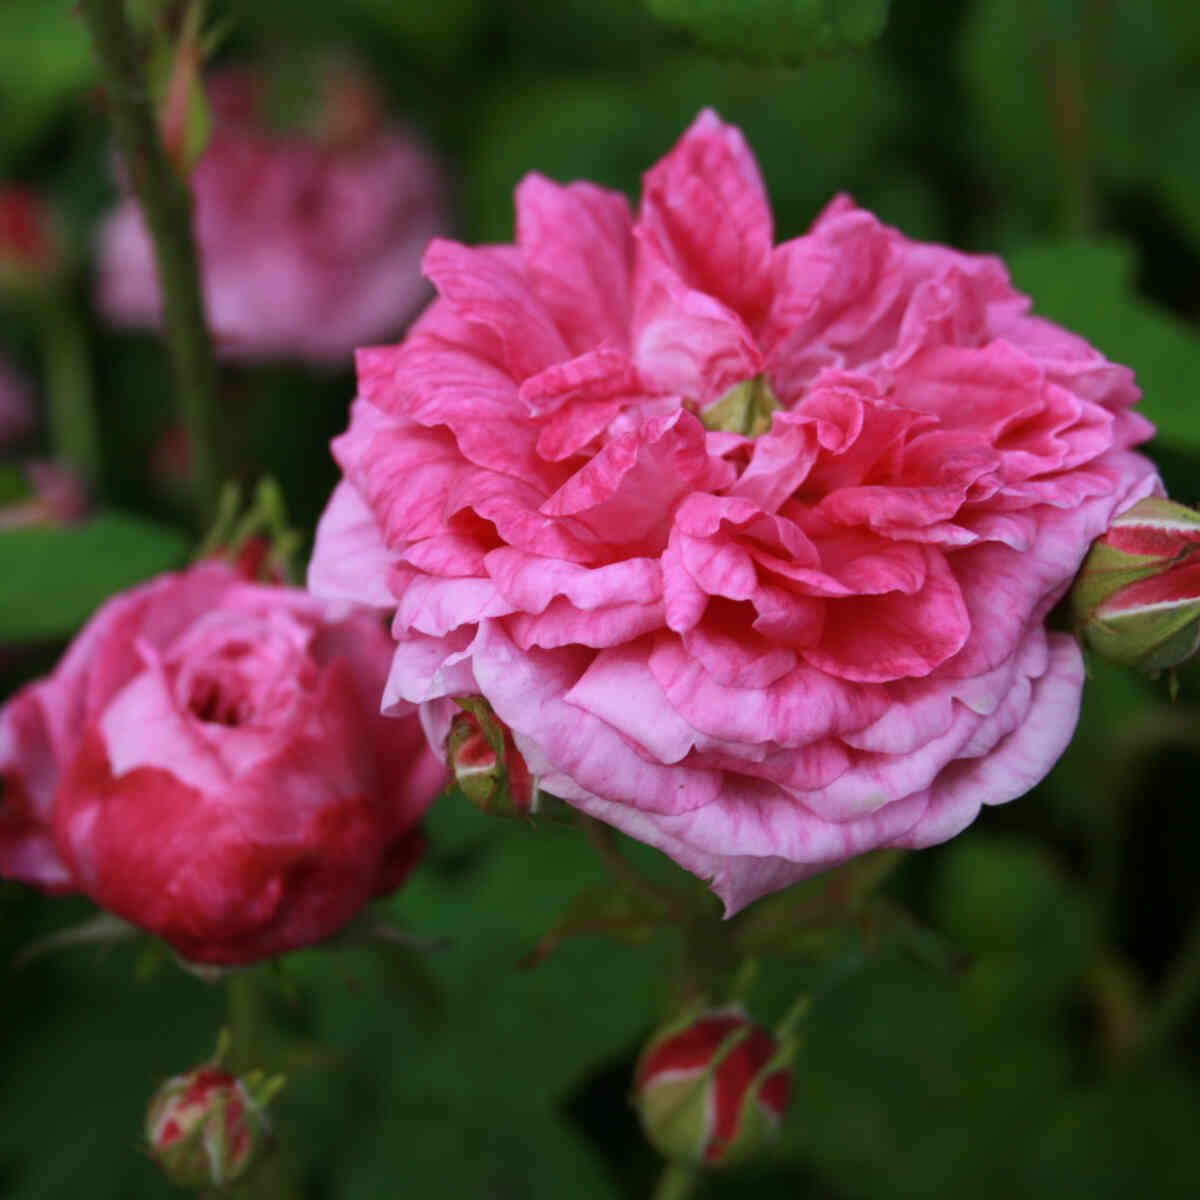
<point>248,675</point>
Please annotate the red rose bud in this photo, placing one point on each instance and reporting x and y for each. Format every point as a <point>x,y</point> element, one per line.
<point>184,118</point>
<point>1136,601</point>
<point>487,764</point>
<point>713,1088</point>
<point>205,1127</point>
<point>30,242</point>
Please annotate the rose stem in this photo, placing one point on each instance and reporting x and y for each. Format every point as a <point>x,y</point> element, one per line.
<point>67,367</point>
<point>676,1182</point>
<point>166,203</point>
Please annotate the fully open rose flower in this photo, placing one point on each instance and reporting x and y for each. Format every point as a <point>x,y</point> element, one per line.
<point>208,762</point>
<point>310,242</point>
<point>751,546</point>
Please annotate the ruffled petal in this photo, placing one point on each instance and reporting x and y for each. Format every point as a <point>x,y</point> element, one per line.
<point>577,246</point>
<point>705,208</point>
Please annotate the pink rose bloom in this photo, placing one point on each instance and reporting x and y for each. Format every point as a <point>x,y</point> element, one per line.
<point>310,244</point>
<point>208,762</point>
<point>16,405</point>
<point>751,546</point>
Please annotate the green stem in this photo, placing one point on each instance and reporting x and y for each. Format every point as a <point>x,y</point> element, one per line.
<point>276,1175</point>
<point>67,375</point>
<point>676,1182</point>
<point>166,204</point>
<point>245,1021</point>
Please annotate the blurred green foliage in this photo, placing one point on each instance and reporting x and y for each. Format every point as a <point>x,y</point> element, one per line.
<point>1064,134</point>
<point>55,578</point>
<point>776,31</point>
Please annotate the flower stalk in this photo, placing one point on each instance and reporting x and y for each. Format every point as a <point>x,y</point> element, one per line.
<point>67,370</point>
<point>166,203</point>
<point>677,1182</point>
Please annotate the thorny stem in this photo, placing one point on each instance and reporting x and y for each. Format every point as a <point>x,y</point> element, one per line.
<point>166,204</point>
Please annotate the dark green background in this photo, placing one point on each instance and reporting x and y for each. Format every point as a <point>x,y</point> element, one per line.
<point>1064,134</point>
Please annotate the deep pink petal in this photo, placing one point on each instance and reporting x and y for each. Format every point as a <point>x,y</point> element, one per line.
<point>705,208</point>
<point>489,287</point>
<point>577,246</point>
<point>685,341</point>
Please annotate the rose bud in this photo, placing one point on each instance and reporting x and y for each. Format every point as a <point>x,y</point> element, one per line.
<point>310,224</point>
<point>1136,601</point>
<point>486,763</point>
<point>205,1127</point>
<point>31,251</point>
<point>208,762</point>
<point>712,1088</point>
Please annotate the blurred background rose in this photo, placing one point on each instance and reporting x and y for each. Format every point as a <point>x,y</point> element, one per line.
<point>311,212</point>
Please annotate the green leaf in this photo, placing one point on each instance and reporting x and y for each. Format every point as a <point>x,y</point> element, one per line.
<point>45,63</point>
<point>901,1090</point>
<point>1122,1138</point>
<point>1087,285</point>
<point>53,577</point>
<point>1003,900</point>
<point>776,31</point>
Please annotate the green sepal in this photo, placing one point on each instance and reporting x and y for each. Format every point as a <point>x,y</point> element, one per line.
<point>746,409</point>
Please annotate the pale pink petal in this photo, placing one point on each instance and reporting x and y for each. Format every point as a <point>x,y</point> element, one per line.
<point>350,559</point>
<point>1021,760</point>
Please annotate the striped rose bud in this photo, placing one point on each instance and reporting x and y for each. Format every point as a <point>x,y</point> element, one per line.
<point>712,1088</point>
<point>487,764</point>
<point>1136,601</point>
<point>204,1127</point>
